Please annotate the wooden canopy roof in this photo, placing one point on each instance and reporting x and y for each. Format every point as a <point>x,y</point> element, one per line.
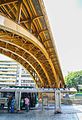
<point>26,37</point>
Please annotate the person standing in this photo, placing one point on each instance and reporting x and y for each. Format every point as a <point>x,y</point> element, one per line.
<point>27,104</point>
<point>2,106</point>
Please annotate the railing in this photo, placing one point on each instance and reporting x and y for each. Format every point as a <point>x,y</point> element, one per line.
<point>72,100</point>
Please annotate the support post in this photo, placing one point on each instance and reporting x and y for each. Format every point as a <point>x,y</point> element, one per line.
<point>42,101</point>
<point>57,101</point>
<point>20,72</point>
<point>19,11</point>
<point>17,98</point>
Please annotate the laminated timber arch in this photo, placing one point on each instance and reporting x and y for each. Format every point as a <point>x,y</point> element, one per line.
<point>25,63</point>
<point>21,53</point>
<point>8,27</point>
<point>26,35</point>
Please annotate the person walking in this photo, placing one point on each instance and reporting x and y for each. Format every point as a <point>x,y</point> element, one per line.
<point>27,104</point>
<point>12,105</point>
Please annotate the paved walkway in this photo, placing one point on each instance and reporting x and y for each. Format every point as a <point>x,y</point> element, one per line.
<point>68,113</point>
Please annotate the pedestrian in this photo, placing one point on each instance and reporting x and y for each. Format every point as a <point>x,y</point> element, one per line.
<point>9,102</point>
<point>2,106</point>
<point>12,105</point>
<point>27,104</point>
<point>21,104</point>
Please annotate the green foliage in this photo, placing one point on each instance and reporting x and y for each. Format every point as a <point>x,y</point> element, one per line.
<point>79,92</point>
<point>73,79</point>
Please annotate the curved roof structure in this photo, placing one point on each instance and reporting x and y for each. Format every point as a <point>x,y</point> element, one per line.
<point>26,37</point>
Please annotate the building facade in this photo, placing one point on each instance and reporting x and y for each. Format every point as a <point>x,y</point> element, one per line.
<point>12,73</point>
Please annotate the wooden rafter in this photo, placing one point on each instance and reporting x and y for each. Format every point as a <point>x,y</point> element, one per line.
<point>7,2</point>
<point>26,21</point>
<point>29,15</point>
<point>19,11</point>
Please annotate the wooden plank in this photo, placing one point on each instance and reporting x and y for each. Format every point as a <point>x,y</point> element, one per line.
<point>19,11</point>
<point>7,2</point>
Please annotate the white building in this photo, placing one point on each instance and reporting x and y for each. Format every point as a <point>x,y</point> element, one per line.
<point>12,73</point>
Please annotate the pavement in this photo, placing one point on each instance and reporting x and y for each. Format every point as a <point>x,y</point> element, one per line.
<point>69,112</point>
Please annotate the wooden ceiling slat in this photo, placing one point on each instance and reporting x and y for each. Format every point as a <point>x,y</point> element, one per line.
<point>35,26</point>
<point>27,8</point>
<point>25,21</point>
<point>22,18</point>
<point>20,2</point>
<point>42,31</point>
<point>31,9</point>
<point>6,11</point>
<point>7,2</point>
<point>16,8</point>
<point>36,22</point>
<point>26,14</point>
<point>27,26</point>
<point>35,13</point>
<point>42,37</point>
<point>11,10</point>
<point>40,24</point>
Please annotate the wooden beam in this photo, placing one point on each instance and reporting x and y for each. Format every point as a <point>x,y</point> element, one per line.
<point>7,12</point>
<point>43,30</point>
<point>19,11</point>
<point>26,21</point>
<point>7,2</point>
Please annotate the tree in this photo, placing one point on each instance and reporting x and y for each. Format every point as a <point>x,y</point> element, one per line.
<point>73,79</point>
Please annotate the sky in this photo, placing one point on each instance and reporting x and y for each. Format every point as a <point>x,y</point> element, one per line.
<point>3,57</point>
<point>65,18</point>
